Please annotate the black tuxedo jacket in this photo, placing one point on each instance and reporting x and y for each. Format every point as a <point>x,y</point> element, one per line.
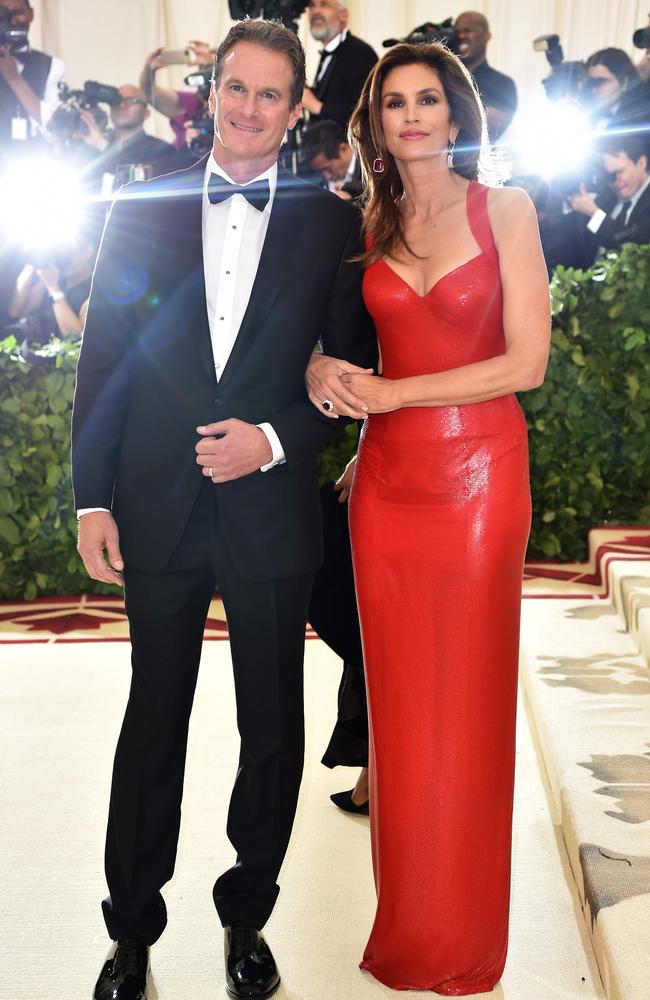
<point>613,233</point>
<point>146,379</point>
<point>340,87</point>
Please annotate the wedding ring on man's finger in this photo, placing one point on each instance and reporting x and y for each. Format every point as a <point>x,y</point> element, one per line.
<point>210,471</point>
<point>327,405</point>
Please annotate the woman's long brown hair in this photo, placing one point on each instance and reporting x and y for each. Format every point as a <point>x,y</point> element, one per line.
<point>382,217</point>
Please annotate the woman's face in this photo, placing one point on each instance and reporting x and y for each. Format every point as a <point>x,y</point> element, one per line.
<point>415,115</point>
<point>605,88</point>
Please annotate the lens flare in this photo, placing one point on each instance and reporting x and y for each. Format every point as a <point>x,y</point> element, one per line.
<point>553,138</point>
<point>41,204</point>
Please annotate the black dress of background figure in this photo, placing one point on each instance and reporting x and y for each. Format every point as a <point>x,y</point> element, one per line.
<point>333,614</point>
<point>340,86</point>
<point>145,381</point>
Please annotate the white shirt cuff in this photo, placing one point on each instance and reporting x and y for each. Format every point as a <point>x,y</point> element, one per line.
<point>596,221</point>
<point>91,510</point>
<point>276,447</point>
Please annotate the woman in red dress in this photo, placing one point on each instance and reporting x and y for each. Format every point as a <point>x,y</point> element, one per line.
<point>440,515</point>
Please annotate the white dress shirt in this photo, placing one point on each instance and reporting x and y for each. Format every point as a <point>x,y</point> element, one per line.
<point>50,100</point>
<point>233,237</point>
<point>329,48</point>
<point>599,217</point>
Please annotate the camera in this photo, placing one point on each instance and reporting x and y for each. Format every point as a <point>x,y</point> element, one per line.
<point>201,143</point>
<point>287,11</point>
<point>67,120</point>
<point>15,38</point>
<point>641,38</point>
<point>424,34</point>
<point>567,78</point>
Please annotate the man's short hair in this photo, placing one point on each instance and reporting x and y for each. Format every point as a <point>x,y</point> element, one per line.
<point>634,144</point>
<point>322,138</point>
<point>271,35</point>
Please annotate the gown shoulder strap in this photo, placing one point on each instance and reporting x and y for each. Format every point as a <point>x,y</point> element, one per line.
<point>477,215</point>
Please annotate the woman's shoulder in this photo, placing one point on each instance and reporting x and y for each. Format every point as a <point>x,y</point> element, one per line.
<point>508,202</point>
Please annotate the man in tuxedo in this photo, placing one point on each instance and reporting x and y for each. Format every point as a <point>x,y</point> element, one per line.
<point>192,426</point>
<point>344,64</point>
<point>622,214</point>
<point>325,150</point>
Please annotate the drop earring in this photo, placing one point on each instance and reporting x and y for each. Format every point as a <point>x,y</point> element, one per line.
<point>378,165</point>
<point>450,154</point>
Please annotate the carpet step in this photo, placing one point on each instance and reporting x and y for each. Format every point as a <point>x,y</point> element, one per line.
<point>586,675</point>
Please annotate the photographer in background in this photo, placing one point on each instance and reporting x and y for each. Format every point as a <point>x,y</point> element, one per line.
<point>614,93</point>
<point>643,67</point>
<point>345,62</point>
<point>602,225</point>
<point>180,106</point>
<point>128,142</point>
<point>497,91</point>
<point>325,150</point>
<point>50,298</point>
<point>28,79</point>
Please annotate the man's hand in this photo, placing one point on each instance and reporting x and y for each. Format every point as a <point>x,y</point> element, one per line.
<point>583,202</point>
<point>152,62</point>
<point>324,384</point>
<point>237,450</point>
<point>50,278</point>
<point>8,65</point>
<point>313,105</point>
<point>92,135</point>
<point>203,54</point>
<point>98,533</point>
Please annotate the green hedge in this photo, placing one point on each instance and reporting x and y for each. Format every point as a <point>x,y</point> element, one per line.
<point>589,433</point>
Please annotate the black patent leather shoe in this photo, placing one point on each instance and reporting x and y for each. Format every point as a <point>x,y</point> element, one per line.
<point>344,801</point>
<point>251,972</point>
<point>124,974</point>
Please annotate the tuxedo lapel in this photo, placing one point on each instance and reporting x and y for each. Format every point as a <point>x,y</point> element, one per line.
<point>283,236</point>
<point>186,231</point>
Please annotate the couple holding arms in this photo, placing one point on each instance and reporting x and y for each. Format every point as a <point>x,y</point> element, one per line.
<point>194,466</point>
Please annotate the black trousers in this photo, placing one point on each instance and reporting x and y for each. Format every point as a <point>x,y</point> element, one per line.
<point>167,613</point>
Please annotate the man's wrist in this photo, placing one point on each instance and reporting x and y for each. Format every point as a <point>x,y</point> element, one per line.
<point>277,451</point>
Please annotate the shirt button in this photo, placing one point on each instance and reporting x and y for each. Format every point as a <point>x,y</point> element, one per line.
<point>221,318</point>
<point>234,227</point>
<point>227,272</point>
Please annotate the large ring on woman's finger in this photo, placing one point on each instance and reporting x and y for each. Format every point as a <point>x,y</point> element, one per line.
<point>327,405</point>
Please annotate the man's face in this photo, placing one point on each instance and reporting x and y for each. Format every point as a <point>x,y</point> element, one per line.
<point>133,111</point>
<point>473,37</point>
<point>326,19</point>
<point>22,14</point>
<point>626,175</point>
<point>333,168</point>
<point>251,105</point>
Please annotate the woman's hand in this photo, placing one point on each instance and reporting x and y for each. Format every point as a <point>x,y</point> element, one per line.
<point>343,484</point>
<point>377,394</point>
<point>324,385</point>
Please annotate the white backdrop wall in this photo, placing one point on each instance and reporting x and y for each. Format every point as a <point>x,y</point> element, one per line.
<point>107,40</point>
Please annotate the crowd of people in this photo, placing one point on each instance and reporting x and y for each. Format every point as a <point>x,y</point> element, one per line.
<point>580,216</point>
<point>451,279</point>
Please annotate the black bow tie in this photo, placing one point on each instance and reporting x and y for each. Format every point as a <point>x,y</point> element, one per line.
<point>256,194</point>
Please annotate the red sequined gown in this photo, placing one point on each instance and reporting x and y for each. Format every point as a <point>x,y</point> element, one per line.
<point>440,515</point>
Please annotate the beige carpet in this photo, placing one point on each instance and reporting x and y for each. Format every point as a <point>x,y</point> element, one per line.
<point>62,708</point>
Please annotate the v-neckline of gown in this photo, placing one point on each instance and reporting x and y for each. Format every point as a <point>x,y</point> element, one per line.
<point>449,274</point>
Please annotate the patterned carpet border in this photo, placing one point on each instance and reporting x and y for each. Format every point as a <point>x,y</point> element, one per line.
<point>102,619</point>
